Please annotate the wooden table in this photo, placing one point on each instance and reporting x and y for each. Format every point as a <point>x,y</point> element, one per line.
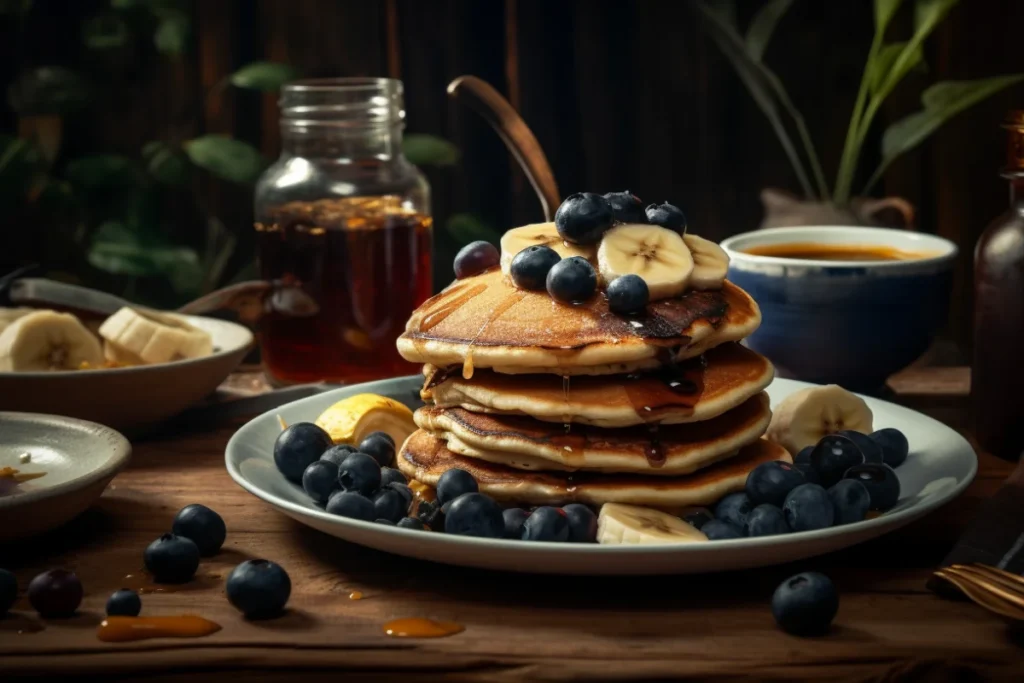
<point>517,626</point>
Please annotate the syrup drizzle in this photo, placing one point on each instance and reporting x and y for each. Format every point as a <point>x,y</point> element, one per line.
<point>447,306</point>
<point>672,389</point>
<point>127,629</point>
<point>416,627</point>
<point>355,595</point>
<point>499,310</point>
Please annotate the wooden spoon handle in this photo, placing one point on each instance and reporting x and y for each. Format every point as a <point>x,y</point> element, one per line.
<point>514,132</point>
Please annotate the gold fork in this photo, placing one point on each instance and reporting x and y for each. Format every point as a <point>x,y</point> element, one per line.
<point>994,589</point>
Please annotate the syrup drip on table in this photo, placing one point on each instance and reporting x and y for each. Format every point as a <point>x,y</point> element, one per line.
<point>355,595</point>
<point>127,629</point>
<point>416,627</point>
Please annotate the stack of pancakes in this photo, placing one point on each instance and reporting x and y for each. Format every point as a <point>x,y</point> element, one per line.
<point>546,403</point>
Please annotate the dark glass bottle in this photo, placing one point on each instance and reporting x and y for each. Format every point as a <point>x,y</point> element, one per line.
<point>998,368</point>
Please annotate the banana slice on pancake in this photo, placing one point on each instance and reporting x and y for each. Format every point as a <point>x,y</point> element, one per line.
<point>656,254</point>
<point>620,524</point>
<point>48,340</point>
<point>804,417</point>
<point>710,263</point>
<point>544,234</point>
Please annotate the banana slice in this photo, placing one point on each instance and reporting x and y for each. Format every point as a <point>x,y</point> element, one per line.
<point>517,239</point>
<point>47,340</point>
<point>656,254</point>
<point>352,419</point>
<point>809,414</point>
<point>9,315</point>
<point>137,337</point>
<point>620,524</point>
<point>710,263</point>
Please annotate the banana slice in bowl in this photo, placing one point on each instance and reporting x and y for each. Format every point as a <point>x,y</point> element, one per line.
<point>48,340</point>
<point>656,254</point>
<point>136,336</point>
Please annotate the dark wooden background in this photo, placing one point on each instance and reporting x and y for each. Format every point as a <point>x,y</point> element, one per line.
<point>620,94</point>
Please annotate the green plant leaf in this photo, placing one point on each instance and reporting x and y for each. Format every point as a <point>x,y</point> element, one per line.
<point>48,90</point>
<point>165,163</point>
<point>929,13</point>
<point>105,31</point>
<point>763,26</point>
<point>117,249</point>
<point>226,157</point>
<point>172,32</point>
<point>725,10</point>
<point>265,76</point>
<point>429,150</point>
<point>466,227</point>
<point>883,68</point>
<point>885,10</point>
<point>100,172</point>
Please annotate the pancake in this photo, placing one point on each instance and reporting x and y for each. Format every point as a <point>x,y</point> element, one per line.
<point>485,322</point>
<point>730,374</point>
<point>425,457</point>
<point>524,443</point>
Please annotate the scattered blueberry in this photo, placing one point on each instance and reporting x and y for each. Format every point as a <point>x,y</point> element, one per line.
<point>881,482</point>
<point>808,507</point>
<point>851,501</point>
<point>474,514</point>
<point>627,294</point>
<point>8,591</point>
<point>359,472</point>
<point>381,446</point>
<point>203,526</point>
<point>546,523</point>
<point>389,475</point>
<point>172,559</point>
<point>297,446</point>
<point>404,490</point>
<point>320,480</point>
<point>514,520</point>
<point>766,520</point>
<point>351,504</point>
<point>805,604</point>
<point>412,523</point>
<point>337,454</point>
<point>869,447</point>
<point>259,588</point>
<point>572,280</point>
<point>530,267</point>
<point>833,455</point>
<point>582,523</point>
<point>734,509</point>
<point>390,505</point>
<point>720,530</point>
<point>385,522</point>
<point>453,484</point>
<point>475,258</point>
<point>802,462</point>
<point>124,603</point>
<point>583,217</point>
<point>667,216</point>
<point>895,446</point>
<point>771,481</point>
<point>57,593</point>
<point>430,513</point>
<point>626,207</point>
<point>698,518</point>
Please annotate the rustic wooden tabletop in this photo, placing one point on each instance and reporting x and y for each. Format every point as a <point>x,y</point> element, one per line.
<point>889,627</point>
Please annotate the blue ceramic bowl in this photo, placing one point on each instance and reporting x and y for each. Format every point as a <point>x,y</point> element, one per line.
<point>851,323</point>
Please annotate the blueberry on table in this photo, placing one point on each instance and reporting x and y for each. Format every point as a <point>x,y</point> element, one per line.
<point>895,446</point>
<point>572,280</point>
<point>805,604</point>
<point>766,520</point>
<point>808,507</point>
<point>297,446</point>
<point>337,454</point>
<point>389,475</point>
<point>582,523</point>
<point>628,294</point>
<point>720,530</point>
<point>667,216</point>
<point>172,559</point>
<point>851,501</point>
<point>474,514</point>
<point>259,588</point>
<point>583,217</point>
<point>453,484</point>
<point>769,482</point>
<point>359,472</point>
<point>381,446</point>
<point>351,504</point>
<point>514,518</point>
<point>802,462</point>
<point>320,480</point>
<point>530,267</point>
<point>881,482</point>
<point>869,447</point>
<point>626,207</point>
<point>734,509</point>
<point>412,523</point>
<point>202,525</point>
<point>698,518</point>
<point>8,591</point>
<point>833,455</point>
<point>55,593</point>
<point>124,603</point>
<point>390,505</point>
<point>546,523</point>
<point>475,258</point>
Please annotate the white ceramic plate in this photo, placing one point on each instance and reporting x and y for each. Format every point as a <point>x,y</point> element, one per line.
<point>941,464</point>
<point>79,459</point>
<point>130,399</point>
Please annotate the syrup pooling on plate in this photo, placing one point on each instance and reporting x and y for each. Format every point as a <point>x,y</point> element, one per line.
<point>127,629</point>
<point>416,627</point>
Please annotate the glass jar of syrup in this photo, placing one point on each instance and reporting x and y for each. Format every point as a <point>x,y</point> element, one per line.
<point>343,233</point>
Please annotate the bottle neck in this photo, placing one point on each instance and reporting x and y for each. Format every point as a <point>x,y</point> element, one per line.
<point>342,144</point>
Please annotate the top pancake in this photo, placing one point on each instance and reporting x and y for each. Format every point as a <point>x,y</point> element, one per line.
<point>485,322</point>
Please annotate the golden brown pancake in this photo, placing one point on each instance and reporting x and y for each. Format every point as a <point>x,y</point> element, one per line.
<point>523,443</point>
<point>730,374</point>
<point>485,322</point>
<point>425,457</point>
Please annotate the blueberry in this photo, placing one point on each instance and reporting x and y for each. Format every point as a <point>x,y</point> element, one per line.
<point>390,505</point>
<point>203,526</point>
<point>881,482</point>
<point>833,455</point>
<point>381,446</point>
<point>802,462</point>
<point>359,472</point>
<point>698,517</point>
<point>320,480</point>
<point>385,522</point>
<point>808,507</point>
<point>720,530</point>
<point>572,280</point>
<point>851,501</point>
<point>895,446</point>
<point>453,484</point>
<point>57,593</point>
<point>667,216</point>
<point>627,294</point>
<point>259,588</point>
<point>766,520</point>
<point>582,523</point>
<point>583,217</point>
<point>430,513</point>
<point>297,446</point>
<point>734,509</point>
<point>404,490</point>
<point>869,447</point>
<point>626,207</point>
<point>8,591</point>
<point>546,523</point>
<point>805,604</point>
<point>514,520</point>
<point>412,523</point>
<point>389,475</point>
<point>172,559</point>
<point>475,258</point>
<point>474,514</point>
<point>124,603</point>
<point>337,454</point>
<point>351,504</point>
<point>771,481</point>
<point>530,267</point>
